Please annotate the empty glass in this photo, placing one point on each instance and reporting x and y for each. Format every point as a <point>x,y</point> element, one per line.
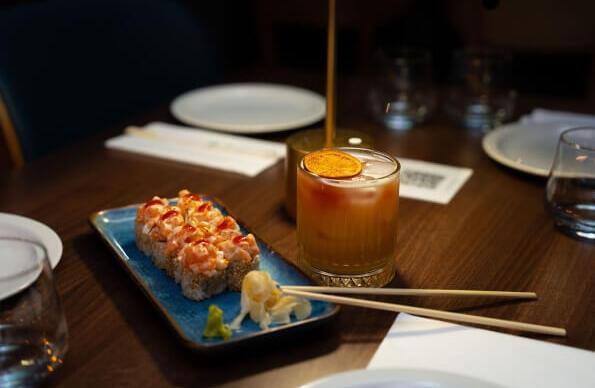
<point>480,97</point>
<point>570,192</point>
<point>402,95</point>
<point>33,334</point>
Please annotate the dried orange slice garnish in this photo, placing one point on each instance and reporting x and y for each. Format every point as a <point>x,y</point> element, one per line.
<point>329,163</point>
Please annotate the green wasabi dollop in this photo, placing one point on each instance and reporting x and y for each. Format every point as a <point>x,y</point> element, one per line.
<point>215,326</point>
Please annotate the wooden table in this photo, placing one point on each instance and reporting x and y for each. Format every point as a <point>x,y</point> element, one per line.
<point>495,234</point>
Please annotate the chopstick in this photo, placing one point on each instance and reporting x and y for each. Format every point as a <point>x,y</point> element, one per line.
<point>411,292</point>
<point>431,313</point>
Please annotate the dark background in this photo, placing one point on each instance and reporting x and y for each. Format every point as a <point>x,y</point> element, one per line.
<point>551,42</point>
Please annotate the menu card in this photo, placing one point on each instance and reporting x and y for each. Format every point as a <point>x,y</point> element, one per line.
<point>431,182</point>
<point>503,359</point>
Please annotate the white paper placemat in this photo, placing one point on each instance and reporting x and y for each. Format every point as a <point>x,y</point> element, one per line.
<point>233,153</point>
<point>504,359</point>
<point>431,182</point>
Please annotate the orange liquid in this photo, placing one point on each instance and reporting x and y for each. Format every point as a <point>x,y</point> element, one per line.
<point>347,229</point>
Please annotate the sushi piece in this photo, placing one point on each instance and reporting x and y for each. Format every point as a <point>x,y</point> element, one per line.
<point>202,270</point>
<point>226,228</point>
<point>205,212</point>
<point>243,256</point>
<point>165,227</point>
<point>188,202</point>
<point>182,236</point>
<point>147,216</point>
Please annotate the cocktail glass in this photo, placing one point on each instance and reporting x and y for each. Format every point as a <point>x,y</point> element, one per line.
<point>347,228</point>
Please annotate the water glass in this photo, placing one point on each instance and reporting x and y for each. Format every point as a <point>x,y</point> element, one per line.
<point>480,97</point>
<point>33,333</point>
<point>347,228</point>
<point>570,191</point>
<point>402,95</point>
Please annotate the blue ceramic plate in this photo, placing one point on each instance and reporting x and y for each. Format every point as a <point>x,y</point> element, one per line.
<point>188,317</point>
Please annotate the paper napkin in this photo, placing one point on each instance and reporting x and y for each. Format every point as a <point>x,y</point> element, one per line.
<point>503,359</point>
<point>226,152</point>
<point>431,181</point>
<point>540,115</point>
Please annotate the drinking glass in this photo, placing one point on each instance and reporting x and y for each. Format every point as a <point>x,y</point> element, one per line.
<point>480,97</point>
<point>300,143</point>
<point>402,95</point>
<point>347,228</point>
<point>33,333</point>
<point>570,190</point>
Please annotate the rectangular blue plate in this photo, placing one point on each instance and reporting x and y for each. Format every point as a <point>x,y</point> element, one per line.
<point>188,317</point>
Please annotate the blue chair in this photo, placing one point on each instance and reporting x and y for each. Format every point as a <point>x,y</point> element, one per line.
<point>69,68</point>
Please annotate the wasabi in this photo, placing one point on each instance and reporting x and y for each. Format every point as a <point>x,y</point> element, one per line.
<point>215,326</point>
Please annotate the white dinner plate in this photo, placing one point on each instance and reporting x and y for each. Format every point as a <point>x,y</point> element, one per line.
<point>249,107</point>
<point>20,266</point>
<point>12,225</point>
<point>399,378</point>
<point>530,148</point>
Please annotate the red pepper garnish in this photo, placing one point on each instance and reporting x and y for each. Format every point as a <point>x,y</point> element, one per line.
<point>204,206</point>
<point>153,202</point>
<point>193,197</point>
<point>188,228</point>
<point>238,239</point>
<point>169,214</point>
<point>227,223</point>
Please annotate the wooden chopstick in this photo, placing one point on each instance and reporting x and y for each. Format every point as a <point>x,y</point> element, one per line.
<point>431,313</point>
<point>412,292</point>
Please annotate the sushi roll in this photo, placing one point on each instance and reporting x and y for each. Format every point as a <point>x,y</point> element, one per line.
<point>194,243</point>
<point>202,270</point>
<point>243,255</point>
<point>147,216</point>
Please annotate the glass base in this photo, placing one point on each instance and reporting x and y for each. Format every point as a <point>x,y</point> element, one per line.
<point>578,231</point>
<point>377,278</point>
<point>576,220</point>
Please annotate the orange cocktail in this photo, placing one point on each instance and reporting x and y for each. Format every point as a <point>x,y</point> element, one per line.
<point>347,228</point>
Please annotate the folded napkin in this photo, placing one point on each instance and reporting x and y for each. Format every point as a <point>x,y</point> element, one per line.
<point>503,359</point>
<point>238,154</point>
<point>540,115</point>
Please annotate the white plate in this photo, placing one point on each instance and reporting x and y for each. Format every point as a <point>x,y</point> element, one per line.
<point>20,266</point>
<point>249,107</point>
<point>525,147</point>
<point>12,225</point>
<point>399,378</point>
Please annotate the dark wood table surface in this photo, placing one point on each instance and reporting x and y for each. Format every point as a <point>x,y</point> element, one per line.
<point>495,234</point>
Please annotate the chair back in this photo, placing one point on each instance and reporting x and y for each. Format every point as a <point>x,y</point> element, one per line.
<point>69,68</point>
